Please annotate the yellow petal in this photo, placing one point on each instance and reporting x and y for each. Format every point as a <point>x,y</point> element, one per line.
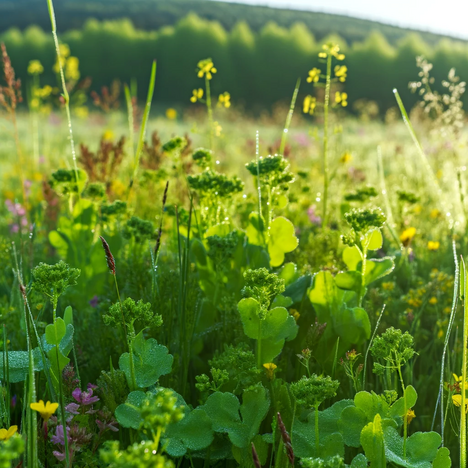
<point>3,434</point>
<point>38,406</point>
<point>51,408</point>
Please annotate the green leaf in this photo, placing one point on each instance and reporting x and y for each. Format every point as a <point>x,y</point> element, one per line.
<point>221,230</point>
<point>352,257</point>
<point>68,316</point>
<point>359,461</point>
<point>193,432</point>
<point>349,280</point>
<point>151,361</point>
<point>282,239</point>
<point>18,365</point>
<point>372,441</point>
<point>298,289</point>
<point>56,331</point>
<point>353,325</point>
<point>442,459</point>
<point>256,230</point>
<point>373,239</point>
<point>128,414</point>
<point>398,408</point>
<point>289,273</point>
<point>378,268</point>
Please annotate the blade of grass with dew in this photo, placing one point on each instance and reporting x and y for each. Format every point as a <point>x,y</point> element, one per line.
<point>464,363</point>
<point>66,96</point>
<point>289,117</point>
<point>5,402</point>
<point>427,166</point>
<point>32,415</point>
<point>457,288</point>
<point>131,135</point>
<point>383,191</point>
<point>144,123</point>
<point>368,348</point>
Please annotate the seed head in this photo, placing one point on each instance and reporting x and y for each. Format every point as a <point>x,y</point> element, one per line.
<point>109,257</point>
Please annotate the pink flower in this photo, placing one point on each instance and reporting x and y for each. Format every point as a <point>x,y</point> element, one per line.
<point>84,398</point>
<point>72,408</point>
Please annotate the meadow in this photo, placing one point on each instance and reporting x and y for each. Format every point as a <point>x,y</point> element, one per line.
<point>210,286</point>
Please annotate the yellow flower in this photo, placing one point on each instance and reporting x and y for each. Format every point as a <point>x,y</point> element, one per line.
<point>217,128</point>
<point>5,434</point>
<point>407,235</point>
<point>433,300</point>
<point>108,135</point>
<point>389,286</point>
<point>35,67</point>
<point>345,157</point>
<point>331,49</point>
<point>295,314</point>
<point>341,72</point>
<point>410,415</point>
<point>118,188</point>
<point>314,75</point>
<point>171,113</point>
<point>45,410</point>
<point>64,50</point>
<point>341,98</point>
<point>224,100</point>
<point>433,245</point>
<point>206,69</point>
<point>435,213</point>
<point>72,71</point>
<point>81,112</point>
<point>270,368</point>
<point>197,94</point>
<point>309,104</point>
<point>457,401</point>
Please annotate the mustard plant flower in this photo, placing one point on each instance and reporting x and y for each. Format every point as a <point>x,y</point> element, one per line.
<point>341,98</point>
<point>341,72</point>
<point>309,104</point>
<point>331,49</point>
<point>46,410</point>
<point>35,67</point>
<point>410,415</point>
<point>345,157</point>
<point>314,75</point>
<point>407,236</point>
<point>206,69</point>
<point>224,99</point>
<point>270,368</point>
<point>72,71</point>
<point>171,113</point>
<point>295,314</point>
<point>5,434</point>
<point>433,300</point>
<point>433,245</point>
<point>457,401</point>
<point>197,94</point>
<point>388,286</point>
<point>435,213</point>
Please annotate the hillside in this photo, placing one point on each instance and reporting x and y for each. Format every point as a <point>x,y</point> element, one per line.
<point>153,14</point>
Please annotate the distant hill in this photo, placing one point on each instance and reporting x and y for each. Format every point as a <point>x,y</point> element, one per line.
<point>153,14</point>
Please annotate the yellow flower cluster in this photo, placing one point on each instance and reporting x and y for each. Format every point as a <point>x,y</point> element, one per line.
<point>171,113</point>
<point>314,75</point>
<point>224,100</point>
<point>341,72</point>
<point>197,94</point>
<point>206,69</point>
<point>35,67</point>
<point>433,245</point>
<point>309,104</point>
<point>407,236</point>
<point>341,98</point>
<point>331,49</point>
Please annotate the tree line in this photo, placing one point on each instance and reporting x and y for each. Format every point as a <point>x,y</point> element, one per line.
<point>257,68</point>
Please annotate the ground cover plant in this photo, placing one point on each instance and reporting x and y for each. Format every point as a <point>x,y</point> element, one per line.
<point>214,289</point>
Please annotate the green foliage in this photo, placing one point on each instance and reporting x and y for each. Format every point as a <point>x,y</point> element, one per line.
<point>112,388</point>
<point>212,184</point>
<point>312,391</point>
<point>138,229</point>
<point>333,462</point>
<point>362,220</point>
<point>11,450</point>
<point>262,286</point>
<point>202,157</point>
<point>138,455</point>
<point>68,181</point>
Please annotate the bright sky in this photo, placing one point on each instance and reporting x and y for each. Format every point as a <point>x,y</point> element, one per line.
<point>446,17</point>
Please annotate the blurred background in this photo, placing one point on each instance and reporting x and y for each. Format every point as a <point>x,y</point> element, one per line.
<point>260,47</point>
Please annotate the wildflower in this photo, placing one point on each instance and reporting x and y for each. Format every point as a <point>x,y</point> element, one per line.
<point>218,129</point>
<point>197,94</point>
<point>46,410</point>
<point>72,71</point>
<point>5,434</point>
<point>388,286</point>
<point>433,245</point>
<point>407,236</point>
<point>331,49</point>
<point>84,398</point>
<point>314,75</point>
<point>433,300</point>
<point>108,135</point>
<point>171,113</point>
<point>435,213</point>
<point>410,415</point>
<point>309,104</point>
<point>345,157</point>
<point>457,401</point>
<point>270,368</point>
<point>35,67</point>
<point>341,72</point>
<point>81,112</point>
<point>206,69</point>
<point>295,314</point>
<point>341,98</point>
<point>224,100</point>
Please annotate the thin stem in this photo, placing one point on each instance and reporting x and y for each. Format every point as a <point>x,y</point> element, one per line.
<point>405,418</point>
<point>289,117</point>
<point>131,134</point>
<point>325,141</point>
<point>370,344</point>
<point>464,376</point>
<point>210,111</point>
<point>317,445</point>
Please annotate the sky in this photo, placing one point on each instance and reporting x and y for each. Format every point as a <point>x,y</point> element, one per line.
<point>446,17</point>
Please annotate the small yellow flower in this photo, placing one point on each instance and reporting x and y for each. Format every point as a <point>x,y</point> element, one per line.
<point>433,245</point>
<point>206,69</point>
<point>270,368</point>
<point>389,286</point>
<point>417,209</point>
<point>435,213</point>
<point>217,128</point>
<point>197,94</point>
<point>341,72</point>
<point>331,49</point>
<point>5,434</point>
<point>171,113</point>
<point>224,100</point>
<point>345,157</point>
<point>440,334</point>
<point>410,415</point>
<point>341,98</point>
<point>81,112</point>
<point>314,75</point>
<point>45,410</point>
<point>407,235</point>
<point>309,104</point>
<point>72,71</point>
<point>295,314</point>
<point>108,135</point>
<point>433,300</point>
<point>457,401</point>
<point>119,188</point>
<point>35,67</point>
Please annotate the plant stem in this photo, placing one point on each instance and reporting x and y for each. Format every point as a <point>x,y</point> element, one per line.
<point>405,418</point>
<point>464,376</point>
<point>289,117</point>
<point>317,445</point>
<point>210,111</point>
<point>325,141</point>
